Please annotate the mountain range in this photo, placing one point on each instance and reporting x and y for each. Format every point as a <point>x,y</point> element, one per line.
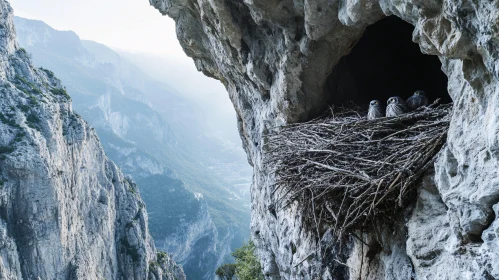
<point>193,179</point>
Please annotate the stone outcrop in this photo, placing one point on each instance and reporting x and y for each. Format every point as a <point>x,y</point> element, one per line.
<point>274,58</point>
<point>67,211</point>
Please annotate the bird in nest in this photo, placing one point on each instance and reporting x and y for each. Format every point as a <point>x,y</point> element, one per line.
<point>418,99</point>
<point>375,110</point>
<point>395,106</point>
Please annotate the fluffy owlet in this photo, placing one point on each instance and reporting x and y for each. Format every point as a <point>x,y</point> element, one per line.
<point>395,106</point>
<point>375,110</point>
<point>418,99</point>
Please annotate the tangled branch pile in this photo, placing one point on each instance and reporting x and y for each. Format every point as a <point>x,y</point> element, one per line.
<point>347,171</point>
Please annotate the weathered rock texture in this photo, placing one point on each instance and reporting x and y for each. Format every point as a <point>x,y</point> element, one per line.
<point>274,57</point>
<point>66,210</point>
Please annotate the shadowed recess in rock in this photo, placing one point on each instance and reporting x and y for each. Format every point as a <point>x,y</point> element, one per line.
<point>386,62</point>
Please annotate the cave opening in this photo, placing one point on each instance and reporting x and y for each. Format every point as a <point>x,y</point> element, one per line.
<point>385,62</point>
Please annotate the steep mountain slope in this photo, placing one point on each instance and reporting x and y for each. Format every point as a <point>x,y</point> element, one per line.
<point>229,160</point>
<point>157,136</point>
<point>67,211</point>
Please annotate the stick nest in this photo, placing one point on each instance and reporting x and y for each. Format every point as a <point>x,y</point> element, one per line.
<point>347,172</point>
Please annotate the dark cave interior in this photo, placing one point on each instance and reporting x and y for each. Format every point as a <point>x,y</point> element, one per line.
<point>385,62</point>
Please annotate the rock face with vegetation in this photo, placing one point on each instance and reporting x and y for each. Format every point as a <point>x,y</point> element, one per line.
<point>67,211</point>
<point>277,60</point>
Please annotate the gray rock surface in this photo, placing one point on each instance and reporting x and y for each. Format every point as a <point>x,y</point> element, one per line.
<point>274,58</point>
<point>67,211</point>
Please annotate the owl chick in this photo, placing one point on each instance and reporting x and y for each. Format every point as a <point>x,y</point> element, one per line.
<point>418,99</point>
<point>375,110</point>
<point>395,106</point>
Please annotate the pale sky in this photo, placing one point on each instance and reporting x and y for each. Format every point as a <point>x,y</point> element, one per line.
<point>129,25</point>
<point>135,26</point>
<point>132,25</point>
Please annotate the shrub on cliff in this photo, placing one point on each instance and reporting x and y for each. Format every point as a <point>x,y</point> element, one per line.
<point>247,266</point>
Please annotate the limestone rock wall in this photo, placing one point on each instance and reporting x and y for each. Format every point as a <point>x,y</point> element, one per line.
<point>66,210</point>
<point>274,57</point>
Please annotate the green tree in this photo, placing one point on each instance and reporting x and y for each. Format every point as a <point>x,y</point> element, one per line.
<point>247,266</point>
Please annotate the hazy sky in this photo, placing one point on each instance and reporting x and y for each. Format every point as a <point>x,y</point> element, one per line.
<point>135,26</point>
<point>128,24</point>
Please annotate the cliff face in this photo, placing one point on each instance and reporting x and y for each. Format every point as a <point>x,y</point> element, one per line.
<point>67,211</point>
<point>275,57</point>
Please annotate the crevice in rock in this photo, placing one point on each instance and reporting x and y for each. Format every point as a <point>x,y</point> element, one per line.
<point>244,51</point>
<point>477,238</point>
<point>300,29</point>
<point>374,249</point>
<point>385,62</point>
<point>452,165</point>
